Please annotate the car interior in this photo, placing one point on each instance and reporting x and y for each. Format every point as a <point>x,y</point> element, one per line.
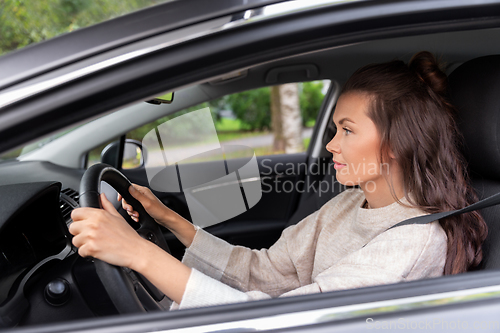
<point>477,109</point>
<point>51,175</point>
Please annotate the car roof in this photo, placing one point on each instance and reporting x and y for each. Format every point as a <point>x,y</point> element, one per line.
<point>83,43</point>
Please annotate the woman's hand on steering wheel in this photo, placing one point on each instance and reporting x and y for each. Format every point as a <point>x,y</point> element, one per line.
<point>153,206</point>
<point>105,235</point>
<point>181,228</point>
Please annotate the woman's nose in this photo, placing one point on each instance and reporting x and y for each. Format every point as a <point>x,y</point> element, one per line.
<point>333,146</point>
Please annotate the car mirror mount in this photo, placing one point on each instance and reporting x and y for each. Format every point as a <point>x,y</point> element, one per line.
<point>167,98</point>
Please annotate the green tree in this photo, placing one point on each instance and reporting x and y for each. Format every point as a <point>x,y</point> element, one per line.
<point>252,107</point>
<point>310,98</point>
<point>23,22</point>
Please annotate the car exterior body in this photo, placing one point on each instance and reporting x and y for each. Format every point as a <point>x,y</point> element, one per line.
<point>202,51</point>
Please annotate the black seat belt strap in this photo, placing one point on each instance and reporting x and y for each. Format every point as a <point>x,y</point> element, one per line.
<point>488,202</point>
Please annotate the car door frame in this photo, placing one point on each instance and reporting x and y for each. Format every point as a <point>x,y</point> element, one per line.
<point>54,104</point>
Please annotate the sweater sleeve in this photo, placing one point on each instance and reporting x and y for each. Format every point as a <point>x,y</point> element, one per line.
<point>271,271</point>
<point>202,290</point>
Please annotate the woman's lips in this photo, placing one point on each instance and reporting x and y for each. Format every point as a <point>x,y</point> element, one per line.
<point>337,165</point>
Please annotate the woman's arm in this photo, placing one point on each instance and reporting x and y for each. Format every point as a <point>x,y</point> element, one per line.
<point>271,271</point>
<point>105,235</point>
<point>164,271</point>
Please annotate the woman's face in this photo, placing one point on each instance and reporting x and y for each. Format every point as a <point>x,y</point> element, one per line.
<point>356,145</point>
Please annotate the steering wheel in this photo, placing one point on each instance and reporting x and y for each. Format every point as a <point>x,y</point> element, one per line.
<point>128,293</point>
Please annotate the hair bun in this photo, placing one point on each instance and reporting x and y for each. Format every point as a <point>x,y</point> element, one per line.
<point>425,65</point>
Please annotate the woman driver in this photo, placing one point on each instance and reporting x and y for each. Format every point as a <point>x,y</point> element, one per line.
<point>396,139</point>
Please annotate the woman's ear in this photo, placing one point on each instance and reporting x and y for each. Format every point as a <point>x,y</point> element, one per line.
<point>391,154</point>
<point>387,152</point>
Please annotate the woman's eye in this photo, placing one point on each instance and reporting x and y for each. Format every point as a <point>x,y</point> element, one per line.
<point>347,131</point>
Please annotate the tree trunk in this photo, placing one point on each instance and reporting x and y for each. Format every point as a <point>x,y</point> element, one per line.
<point>291,119</point>
<point>279,141</point>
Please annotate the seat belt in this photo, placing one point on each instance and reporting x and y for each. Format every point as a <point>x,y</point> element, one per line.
<point>488,202</point>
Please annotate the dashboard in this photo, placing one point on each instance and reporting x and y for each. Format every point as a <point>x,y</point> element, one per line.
<point>41,277</point>
<point>32,232</point>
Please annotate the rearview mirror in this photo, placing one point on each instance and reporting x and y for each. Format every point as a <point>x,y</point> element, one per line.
<point>163,99</point>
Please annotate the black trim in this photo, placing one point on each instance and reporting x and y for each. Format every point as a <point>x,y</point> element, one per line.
<point>119,157</point>
<point>265,308</point>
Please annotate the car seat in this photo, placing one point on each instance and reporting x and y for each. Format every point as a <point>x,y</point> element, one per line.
<point>475,92</point>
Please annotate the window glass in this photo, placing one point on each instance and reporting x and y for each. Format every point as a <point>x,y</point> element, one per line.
<point>26,22</point>
<point>258,118</point>
<point>31,147</point>
<point>207,152</point>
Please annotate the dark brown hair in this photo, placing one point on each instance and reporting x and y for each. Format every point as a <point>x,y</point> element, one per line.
<point>416,123</point>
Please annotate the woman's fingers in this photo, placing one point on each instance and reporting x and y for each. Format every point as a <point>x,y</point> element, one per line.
<point>126,206</point>
<point>137,192</point>
<point>78,241</point>
<point>143,194</point>
<point>155,208</point>
<point>82,213</point>
<point>129,209</point>
<point>104,234</point>
<point>132,213</point>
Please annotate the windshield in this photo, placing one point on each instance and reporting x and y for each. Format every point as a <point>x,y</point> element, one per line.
<point>24,22</point>
<point>23,150</point>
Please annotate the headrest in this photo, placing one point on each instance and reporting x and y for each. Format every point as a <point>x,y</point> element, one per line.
<point>475,92</point>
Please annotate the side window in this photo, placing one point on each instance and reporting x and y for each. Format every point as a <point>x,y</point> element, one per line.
<point>225,134</point>
<point>271,120</point>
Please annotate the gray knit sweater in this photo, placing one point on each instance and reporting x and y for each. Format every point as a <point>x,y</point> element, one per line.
<point>340,246</point>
